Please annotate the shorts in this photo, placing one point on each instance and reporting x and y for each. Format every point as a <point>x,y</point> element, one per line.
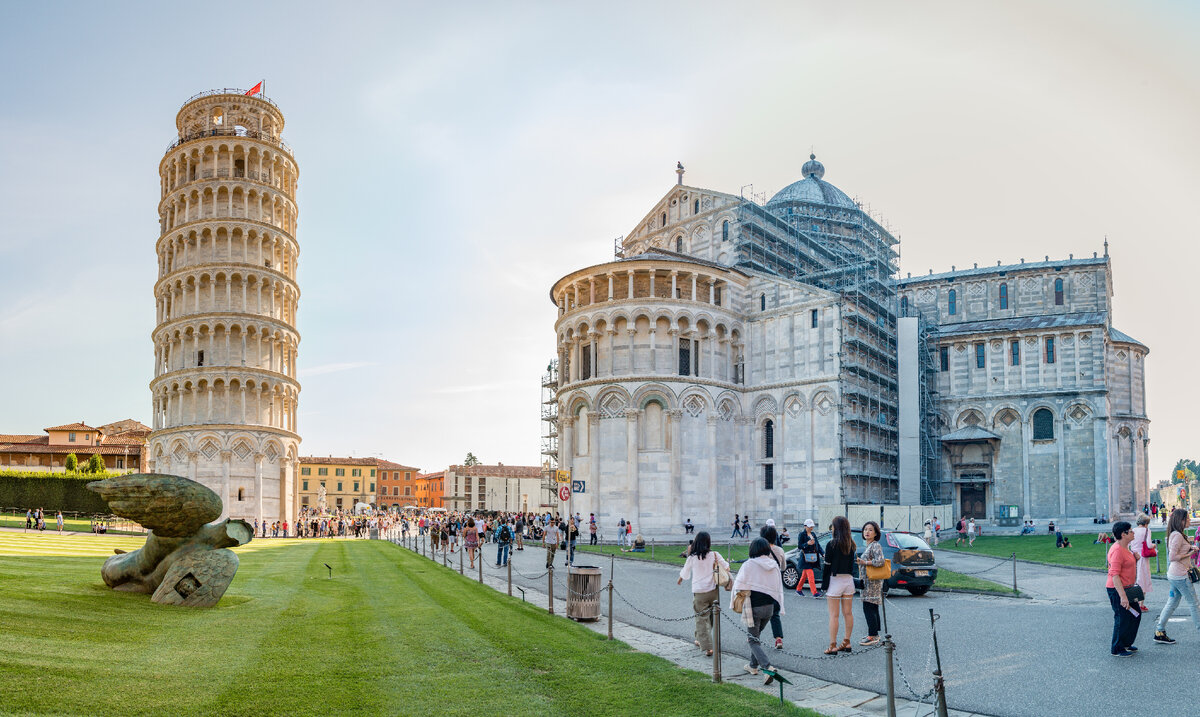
<point>840,586</point>
<point>963,535</point>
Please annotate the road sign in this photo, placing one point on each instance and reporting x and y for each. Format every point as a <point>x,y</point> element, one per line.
<point>577,486</point>
<point>562,476</point>
<point>564,492</point>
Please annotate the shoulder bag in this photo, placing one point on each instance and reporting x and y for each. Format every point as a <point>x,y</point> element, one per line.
<point>883,572</point>
<point>1133,593</point>
<point>721,575</point>
<point>1194,574</point>
<point>739,600</point>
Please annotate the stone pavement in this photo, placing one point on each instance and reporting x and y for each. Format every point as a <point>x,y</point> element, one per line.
<point>827,698</point>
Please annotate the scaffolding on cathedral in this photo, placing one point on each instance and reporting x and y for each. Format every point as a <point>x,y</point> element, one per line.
<point>549,433</point>
<point>843,250</point>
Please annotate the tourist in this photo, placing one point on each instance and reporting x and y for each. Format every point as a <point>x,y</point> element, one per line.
<point>701,566</point>
<point>929,532</point>
<point>58,519</point>
<point>737,526</point>
<point>452,529</point>
<point>1143,547</point>
<point>572,536</point>
<point>520,531</point>
<point>937,527</point>
<point>872,597</point>
<point>1181,555</point>
<point>639,544</point>
<point>759,576</point>
<point>784,537</point>
<point>592,530</point>
<point>28,519</point>
<point>961,529</point>
<point>768,534</point>
<point>621,533</point>
<point>550,539</point>
<point>471,540</point>
<point>1122,573</point>
<point>504,539</point>
<point>971,532</point>
<point>746,526</point>
<point>838,583</point>
<point>810,557</point>
<point>629,532</point>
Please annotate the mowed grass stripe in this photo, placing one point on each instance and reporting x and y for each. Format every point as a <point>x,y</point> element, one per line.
<point>390,633</point>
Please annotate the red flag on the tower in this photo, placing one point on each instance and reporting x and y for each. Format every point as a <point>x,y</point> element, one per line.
<point>255,89</point>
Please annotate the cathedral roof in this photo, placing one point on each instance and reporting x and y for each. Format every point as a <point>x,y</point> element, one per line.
<point>813,188</point>
<point>1024,323</point>
<point>1124,338</point>
<point>970,433</point>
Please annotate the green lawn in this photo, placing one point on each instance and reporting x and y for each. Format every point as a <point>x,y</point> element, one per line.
<point>391,633</point>
<point>670,554</point>
<point>1040,548</point>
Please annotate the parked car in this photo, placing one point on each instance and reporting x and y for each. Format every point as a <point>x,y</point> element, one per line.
<point>913,567</point>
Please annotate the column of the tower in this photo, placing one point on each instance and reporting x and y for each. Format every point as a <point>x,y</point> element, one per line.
<point>225,391</point>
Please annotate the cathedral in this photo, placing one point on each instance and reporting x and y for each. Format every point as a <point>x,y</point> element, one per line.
<point>765,358</point>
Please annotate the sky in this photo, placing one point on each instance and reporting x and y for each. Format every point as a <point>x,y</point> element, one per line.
<point>458,158</point>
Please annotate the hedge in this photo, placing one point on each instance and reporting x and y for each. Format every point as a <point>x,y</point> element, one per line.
<point>52,491</point>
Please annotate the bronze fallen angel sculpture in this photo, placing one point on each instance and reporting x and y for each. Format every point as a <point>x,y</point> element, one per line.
<point>184,561</point>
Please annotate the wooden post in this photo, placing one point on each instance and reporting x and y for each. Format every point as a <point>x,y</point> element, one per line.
<point>716,608</point>
<point>550,590</point>
<point>460,567</point>
<point>509,563</point>
<point>479,564</point>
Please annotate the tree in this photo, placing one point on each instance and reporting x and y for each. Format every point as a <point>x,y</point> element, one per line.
<point>72,463</point>
<point>470,460</point>
<point>1190,468</point>
<point>95,464</point>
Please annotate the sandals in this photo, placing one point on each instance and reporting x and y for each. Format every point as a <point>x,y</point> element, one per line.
<point>845,646</point>
<point>833,649</point>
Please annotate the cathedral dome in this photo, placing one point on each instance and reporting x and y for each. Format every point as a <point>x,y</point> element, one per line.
<point>813,188</point>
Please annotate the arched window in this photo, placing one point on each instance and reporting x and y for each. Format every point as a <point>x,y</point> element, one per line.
<point>1043,425</point>
<point>679,245</point>
<point>953,302</point>
<point>762,302</point>
<point>769,439</point>
<point>241,494</point>
<point>1004,296</point>
<point>664,219</point>
<point>904,306</point>
<point>725,230</point>
<point>696,207</point>
<point>1058,292</point>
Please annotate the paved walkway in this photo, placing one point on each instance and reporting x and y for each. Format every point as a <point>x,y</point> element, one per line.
<point>824,697</point>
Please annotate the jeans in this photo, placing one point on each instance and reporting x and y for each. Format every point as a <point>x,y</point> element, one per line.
<point>737,532</point>
<point>621,536</point>
<point>762,616</point>
<point>871,612</point>
<point>502,553</point>
<point>1125,623</point>
<point>593,539</point>
<point>776,624</point>
<point>1180,588</point>
<point>704,623</point>
<point>570,551</point>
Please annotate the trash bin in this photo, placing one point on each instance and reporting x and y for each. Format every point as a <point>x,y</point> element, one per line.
<point>583,592</point>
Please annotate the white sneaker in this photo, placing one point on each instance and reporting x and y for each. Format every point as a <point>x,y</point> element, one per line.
<point>751,669</point>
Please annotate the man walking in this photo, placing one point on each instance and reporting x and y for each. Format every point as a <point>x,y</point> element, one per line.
<point>550,539</point>
<point>737,526</point>
<point>592,528</point>
<point>503,543</point>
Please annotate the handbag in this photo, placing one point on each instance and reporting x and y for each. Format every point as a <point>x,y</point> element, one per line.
<point>883,572</point>
<point>810,558</point>
<point>739,600</point>
<point>1194,574</point>
<point>1133,593</point>
<point>1148,549</point>
<point>721,575</point>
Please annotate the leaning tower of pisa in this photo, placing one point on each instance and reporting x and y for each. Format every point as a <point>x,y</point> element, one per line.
<point>225,389</point>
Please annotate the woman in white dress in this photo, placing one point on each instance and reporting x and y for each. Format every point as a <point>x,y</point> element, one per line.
<point>1142,538</point>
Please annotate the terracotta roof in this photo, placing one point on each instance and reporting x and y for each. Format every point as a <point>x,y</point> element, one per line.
<point>331,460</point>
<point>388,465</point>
<point>22,438</point>
<point>427,476</point>
<point>124,439</point>
<point>501,471</point>
<point>81,451</point>
<point>72,427</point>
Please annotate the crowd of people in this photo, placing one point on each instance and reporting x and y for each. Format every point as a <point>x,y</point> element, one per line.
<point>472,530</point>
<point>35,519</point>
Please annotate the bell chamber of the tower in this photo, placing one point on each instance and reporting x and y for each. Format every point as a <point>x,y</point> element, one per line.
<point>225,391</point>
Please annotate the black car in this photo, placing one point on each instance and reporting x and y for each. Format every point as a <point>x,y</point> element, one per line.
<point>913,567</point>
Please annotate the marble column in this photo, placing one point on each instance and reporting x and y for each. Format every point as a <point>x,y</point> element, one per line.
<point>675,436</point>
<point>631,463</point>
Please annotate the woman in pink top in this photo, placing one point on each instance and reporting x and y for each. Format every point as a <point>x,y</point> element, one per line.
<point>701,568</point>
<point>1122,573</point>
<point>1181,554</point>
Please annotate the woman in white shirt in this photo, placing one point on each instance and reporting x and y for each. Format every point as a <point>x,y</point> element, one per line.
<point>1181,554</point>
<point>1143,541</point>
<point>700,567</point>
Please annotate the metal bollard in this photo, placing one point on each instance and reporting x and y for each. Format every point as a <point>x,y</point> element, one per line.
<point>460,567</point>
<point>889,648</point>
<point>509,564</point>
<point>479,564</point>
<point>610,606</point>
<point>652,548</point>
<point>1014,559</point>
<point>445,556</point>
<point>550,591</point>
<point>716,607</point>
<point>939,683</point>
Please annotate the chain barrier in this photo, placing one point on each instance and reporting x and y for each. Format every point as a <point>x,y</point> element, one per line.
<point>1003,563</point>
<point>919,697</point>
<point>693,616</point>
<point>742,627</point>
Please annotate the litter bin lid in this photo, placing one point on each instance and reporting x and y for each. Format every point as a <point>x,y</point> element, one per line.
<point>582,568</point>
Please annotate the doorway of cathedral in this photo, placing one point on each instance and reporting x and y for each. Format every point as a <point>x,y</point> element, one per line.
<point>972,498</point>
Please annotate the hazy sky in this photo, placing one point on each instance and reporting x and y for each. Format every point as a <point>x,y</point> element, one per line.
<point>456,159</point>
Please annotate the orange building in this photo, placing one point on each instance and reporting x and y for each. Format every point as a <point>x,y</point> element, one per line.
<point>121,445</point>
<point>397,485</point>
<point>429,488</point>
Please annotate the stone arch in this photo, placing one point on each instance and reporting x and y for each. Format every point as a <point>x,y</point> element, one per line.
<point>613,401</point>
<point>651,391</point>
<point>793,403</point>
<point>823,401</point>
<point>763,406</point>
<point>1005,416</point>
<point>695,402</point>
<point>969,417</point>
